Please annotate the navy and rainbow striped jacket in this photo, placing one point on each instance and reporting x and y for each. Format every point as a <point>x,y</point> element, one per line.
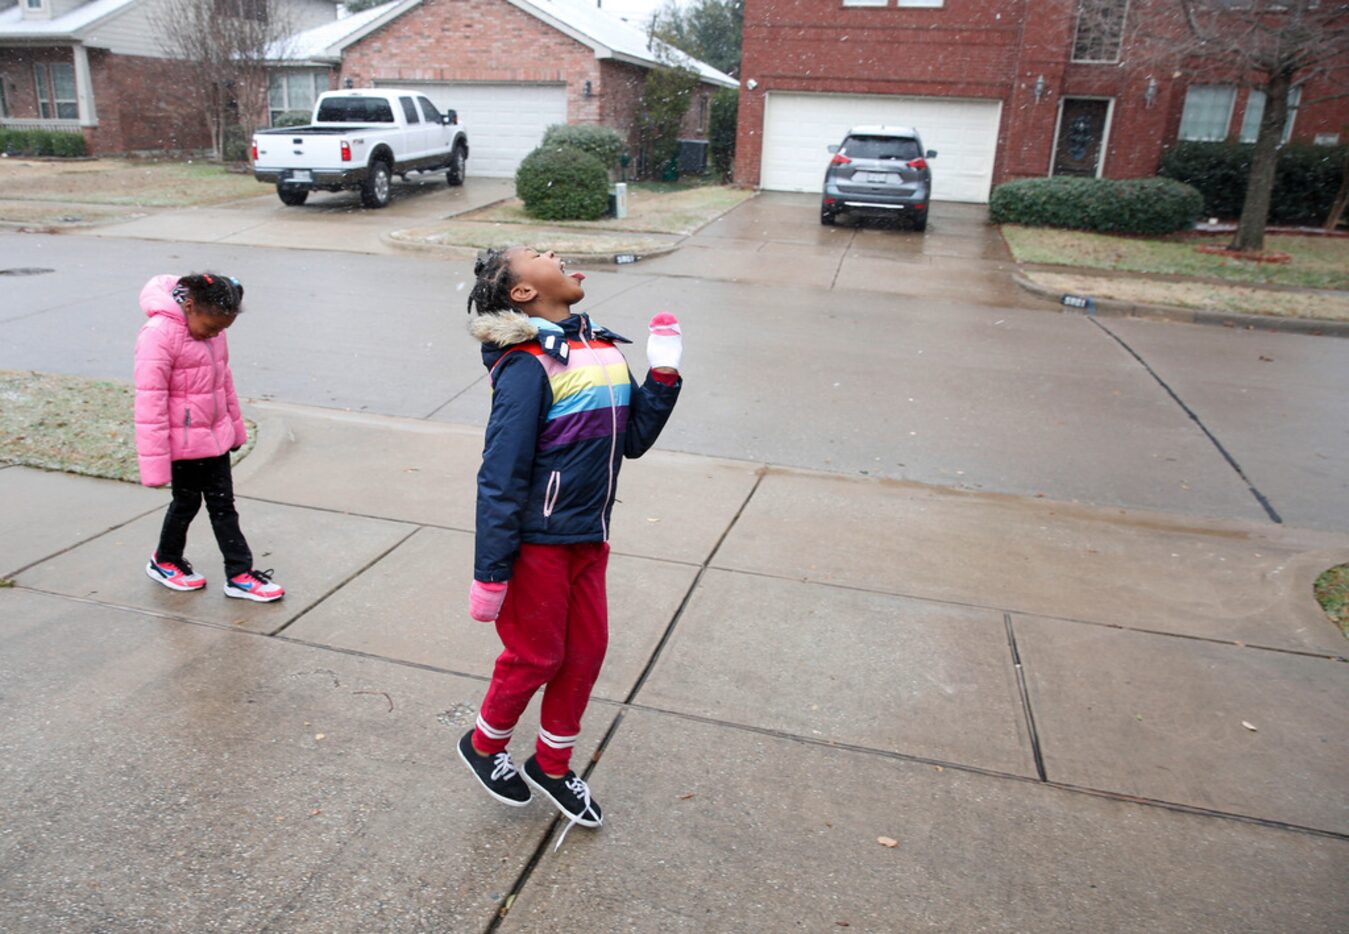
<point>565,412</point>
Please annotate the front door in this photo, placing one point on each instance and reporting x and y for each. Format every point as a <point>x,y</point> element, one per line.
<point>1081,133</point>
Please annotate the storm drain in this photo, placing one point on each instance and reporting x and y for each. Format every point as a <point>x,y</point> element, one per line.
<point>25,271</point>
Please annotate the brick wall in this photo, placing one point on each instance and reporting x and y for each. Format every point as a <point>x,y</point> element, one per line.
<point>493,41</point>
<point>478,40</point>
<point>142,106</point>
<point>981,49</point>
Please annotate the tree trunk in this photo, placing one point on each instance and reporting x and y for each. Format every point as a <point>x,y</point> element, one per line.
<point>1341,198</point>
<point>1264,160</point>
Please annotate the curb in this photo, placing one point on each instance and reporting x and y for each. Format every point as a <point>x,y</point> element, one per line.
<point>1120,309</point>
<point>455,251</point>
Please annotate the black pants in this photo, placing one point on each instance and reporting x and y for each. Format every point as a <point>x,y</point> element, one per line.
<point>208,477</point>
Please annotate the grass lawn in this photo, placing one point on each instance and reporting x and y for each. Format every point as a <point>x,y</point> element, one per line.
<point>653,207</point>
<point>1207,296</point>
<point>567,241</point>
<point>1332,592</point>
<point>72,424</point>
<point>1317,262</point>
<point>123,182</point>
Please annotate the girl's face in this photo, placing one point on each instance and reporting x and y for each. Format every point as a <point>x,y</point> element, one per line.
<point>205,321</point>
<point>542,284</point>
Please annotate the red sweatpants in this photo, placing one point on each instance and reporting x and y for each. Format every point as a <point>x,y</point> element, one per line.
<point>554,625</point>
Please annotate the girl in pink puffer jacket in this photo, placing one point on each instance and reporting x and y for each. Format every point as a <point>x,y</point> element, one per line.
<point>187,423</point>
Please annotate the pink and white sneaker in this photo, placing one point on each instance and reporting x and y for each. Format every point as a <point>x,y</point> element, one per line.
<point>175,575</point>
<point>254,585</point>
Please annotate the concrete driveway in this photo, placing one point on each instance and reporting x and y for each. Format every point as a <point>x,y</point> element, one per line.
<point>777,239</point>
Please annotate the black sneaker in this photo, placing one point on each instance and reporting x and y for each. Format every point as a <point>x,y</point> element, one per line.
<point>497,773</point>
<point>570,793</point>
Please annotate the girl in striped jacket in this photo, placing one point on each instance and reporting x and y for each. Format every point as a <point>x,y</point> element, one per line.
<point>565,412</point>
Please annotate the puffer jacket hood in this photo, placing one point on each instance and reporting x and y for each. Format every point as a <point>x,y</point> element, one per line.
<point>157,298</point>
<point>186,407</point>
<point>565,412</point>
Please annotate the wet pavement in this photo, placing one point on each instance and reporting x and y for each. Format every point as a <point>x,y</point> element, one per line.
<point>1061,716</point>
<point>996,585</point>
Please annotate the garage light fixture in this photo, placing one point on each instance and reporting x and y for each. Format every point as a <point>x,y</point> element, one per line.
<point>1039,88</point>
<point>1150,92</point>
<point>587,90</point>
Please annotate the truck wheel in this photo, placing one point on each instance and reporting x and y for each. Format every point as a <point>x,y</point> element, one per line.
<point>292,196</point>
<point>455,176</point>
<point>376,188</point>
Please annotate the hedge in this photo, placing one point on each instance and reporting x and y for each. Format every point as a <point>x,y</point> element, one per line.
<point>562,183</point>
<point>1134,205</point>
<point>1306,178</point>
<point>721,131</point>
<point>601,142</point>
<point>41,143</point>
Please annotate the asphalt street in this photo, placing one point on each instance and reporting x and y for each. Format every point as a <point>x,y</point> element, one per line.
<point>968,394</point>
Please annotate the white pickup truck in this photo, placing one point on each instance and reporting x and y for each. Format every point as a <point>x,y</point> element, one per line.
<point>361,139</point>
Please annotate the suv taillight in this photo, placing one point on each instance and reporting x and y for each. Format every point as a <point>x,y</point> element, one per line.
<point>839,159</point>
<point>255,150</point>
<point>919,164</point>
<point>346,151</point>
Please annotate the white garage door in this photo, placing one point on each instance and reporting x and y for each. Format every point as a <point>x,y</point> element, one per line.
<point>798,127</point>
<point>503,121</point>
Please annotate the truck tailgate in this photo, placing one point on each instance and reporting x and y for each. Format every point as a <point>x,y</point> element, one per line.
<point>300,151</point>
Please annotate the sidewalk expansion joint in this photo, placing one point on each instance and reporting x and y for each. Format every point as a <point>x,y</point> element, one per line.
<point>342,583</point>
<point>1025,698</point>
<point>1260,498</point>
<point>965,604</point>
<point>627,702</point>
<point>85,541</point>
<point>967,768</point>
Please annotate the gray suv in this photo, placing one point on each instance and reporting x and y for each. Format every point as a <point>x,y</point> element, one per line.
<point>878,171</point>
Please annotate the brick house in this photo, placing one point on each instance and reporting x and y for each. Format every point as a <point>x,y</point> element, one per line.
<point>1001,90</point>
<point>98,67</point>
<point>510,68</point>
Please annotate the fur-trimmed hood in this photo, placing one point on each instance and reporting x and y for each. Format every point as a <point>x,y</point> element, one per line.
<point>501,331</point>
<point>503,328</point>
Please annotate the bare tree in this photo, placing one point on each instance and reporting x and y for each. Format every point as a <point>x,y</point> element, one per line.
<point>226,46</point>
<point>1272,46</point>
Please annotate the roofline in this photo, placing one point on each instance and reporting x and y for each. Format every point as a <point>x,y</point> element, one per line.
<point>727,82</point>
<point>378,23</point>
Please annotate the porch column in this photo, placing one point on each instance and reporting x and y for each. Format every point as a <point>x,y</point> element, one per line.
<point>84,87</point>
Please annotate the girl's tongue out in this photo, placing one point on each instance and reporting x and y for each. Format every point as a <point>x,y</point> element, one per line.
<point>579,276</point>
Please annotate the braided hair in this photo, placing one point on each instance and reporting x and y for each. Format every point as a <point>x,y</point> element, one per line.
<point>492,291</point>
<point>211,292</point>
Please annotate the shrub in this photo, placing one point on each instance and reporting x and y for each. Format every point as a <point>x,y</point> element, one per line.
<point>666,95</point>
<point>42,143</point>
<point>603,143</point>
<point>1135,205</point>
<point>721,131</point>
<point>291,118</point>
<point>562,183</point>
<point>1306,178</point>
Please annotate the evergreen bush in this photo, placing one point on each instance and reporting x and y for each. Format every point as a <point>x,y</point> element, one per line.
<point>1135,205</point>
<point>721,124</point>
<point>602,142</point>
<point>1306,178</point>
<point>562,183</point>
<point>17,142</point>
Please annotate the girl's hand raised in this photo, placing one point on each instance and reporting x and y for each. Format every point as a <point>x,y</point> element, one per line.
<point>665,346</point>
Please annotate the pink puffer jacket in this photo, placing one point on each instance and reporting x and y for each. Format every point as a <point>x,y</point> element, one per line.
<point>185,402</point>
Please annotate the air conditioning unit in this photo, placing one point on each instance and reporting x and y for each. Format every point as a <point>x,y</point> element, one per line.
<point>692,158</point>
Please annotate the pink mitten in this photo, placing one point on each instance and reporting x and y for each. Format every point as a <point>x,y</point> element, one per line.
<point>665,346</point>
<point>484,600</point>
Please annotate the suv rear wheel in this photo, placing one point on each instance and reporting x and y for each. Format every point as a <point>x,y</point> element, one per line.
<point>377,187</point>
<point>827,217</point>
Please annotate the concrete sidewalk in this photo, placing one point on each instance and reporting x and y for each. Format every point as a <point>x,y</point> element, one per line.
<point>1068,718</point>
